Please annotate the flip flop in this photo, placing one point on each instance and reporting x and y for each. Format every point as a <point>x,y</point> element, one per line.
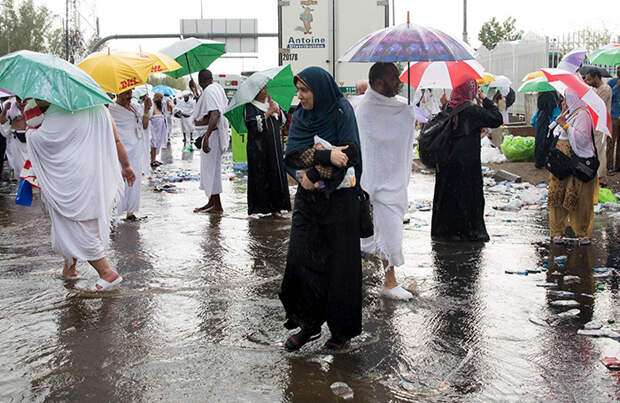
<point>397,293</point>
<point>106,285</point>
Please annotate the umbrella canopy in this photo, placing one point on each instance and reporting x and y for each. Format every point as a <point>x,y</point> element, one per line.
<point>501,82</point>
<point>280,87</point>
<point>572,60</point>
<point>539,84</point>
<point>117,72</point>
<point>442,74</point>
<point>406,43</point>
<point>609,55</point>
<point>193,55</point>
<point>586,68</point>
<point>162,62</point>
<point>142,90</point>
<point>487,78</point>
<point>561,79</point>
<point>533,75</point>
<point>5,93</point>
<point>165,90</point>
<point>35,75</point>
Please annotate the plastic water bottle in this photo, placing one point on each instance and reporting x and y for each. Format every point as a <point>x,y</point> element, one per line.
<point>342,390</point>
<point>522,273</point>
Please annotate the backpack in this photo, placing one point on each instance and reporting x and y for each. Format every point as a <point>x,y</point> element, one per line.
<point>510,98</point>
<point>436,137</point>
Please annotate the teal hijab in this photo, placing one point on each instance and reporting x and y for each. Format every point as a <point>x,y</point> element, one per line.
<point>332,117</point>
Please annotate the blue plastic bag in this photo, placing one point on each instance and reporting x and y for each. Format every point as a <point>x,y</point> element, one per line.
<point>24,194</point>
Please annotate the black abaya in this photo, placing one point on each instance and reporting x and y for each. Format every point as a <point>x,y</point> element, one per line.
<point>458,203</point>
<point>267,183</point>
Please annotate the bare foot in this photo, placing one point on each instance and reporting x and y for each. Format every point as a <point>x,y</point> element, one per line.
<point>216,210</point>
<point>207,207</point>
<point>70,272</point>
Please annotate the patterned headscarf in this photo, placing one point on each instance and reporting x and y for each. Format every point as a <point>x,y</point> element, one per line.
<point>465,92</point>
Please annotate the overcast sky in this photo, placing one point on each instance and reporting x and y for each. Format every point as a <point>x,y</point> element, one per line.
<point>162,16</point>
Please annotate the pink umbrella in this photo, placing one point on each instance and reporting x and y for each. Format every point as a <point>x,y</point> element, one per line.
<point>449,74</point>
<point>561,80</point>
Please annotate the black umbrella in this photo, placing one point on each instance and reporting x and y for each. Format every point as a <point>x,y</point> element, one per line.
<point>586,68</point>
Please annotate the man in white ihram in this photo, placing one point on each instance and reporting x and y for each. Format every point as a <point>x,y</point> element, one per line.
<point>386,127</point>
<point>211,123</point>
<point>75,156</point>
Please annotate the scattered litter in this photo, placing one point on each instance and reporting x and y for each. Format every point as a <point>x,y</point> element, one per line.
<point>602,332</point>
<point>523,273</point>
<point>559,259</point>
<point>611,363</point>
<point>571,279</point>
<point>548,285</point>
<point>69,329</point>
<point>565,303</point>
<point>595,324</point>
<point>561,294</point>
<point>406,386</point>
<point>426,172</point>
<point>600,287</point>
<point>602,269</point>
<point>512,205</point>
<point>611,321</point>
<point>571,313</point>
<point>489,153</point>
<point>342,390</point>
<point>426,205</point>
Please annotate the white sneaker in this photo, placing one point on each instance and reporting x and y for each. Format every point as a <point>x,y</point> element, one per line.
<point>398,293</point>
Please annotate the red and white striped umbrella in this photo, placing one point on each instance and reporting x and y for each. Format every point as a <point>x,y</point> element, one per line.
<point>561,80</point>
<point>449,74</point>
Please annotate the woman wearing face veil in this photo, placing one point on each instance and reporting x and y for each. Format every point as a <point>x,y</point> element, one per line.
<point>547,103</point>
<point>458,202</point>
<point>323,279</point>
<point>570,200</point>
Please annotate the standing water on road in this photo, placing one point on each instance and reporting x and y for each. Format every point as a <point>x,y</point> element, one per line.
<point>197,316</point>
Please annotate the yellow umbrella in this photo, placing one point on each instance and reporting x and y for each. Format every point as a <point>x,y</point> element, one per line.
<point>161,62</point>
<point>487,78</point>
<point>532,75</point>
<point>116,72</point>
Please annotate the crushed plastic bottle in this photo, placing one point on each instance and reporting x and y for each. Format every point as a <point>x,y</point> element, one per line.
<point>565,303</point>
<point>602,269</point>
<point>342,390</point>
<point>611,363</point>
<point>559,259</point>
<point>595,324</point>
<point>561,294</point>
<point>571,279</point>
<point>523,273</point>
<point>571,313</point>
<point>601,287</point>
<point>602,332</point>
<point>548,285</point>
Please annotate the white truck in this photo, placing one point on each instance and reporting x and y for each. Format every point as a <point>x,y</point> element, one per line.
<point>318,32</point>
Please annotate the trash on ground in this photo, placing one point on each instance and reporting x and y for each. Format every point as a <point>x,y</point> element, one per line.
<point>548,285</point>
<point>571,279</point>
<point>561,294</point>
<point>571,313</point>
<point>565,303</point>
<point>342,390</point>
<point>611,363</point>
<point>518,148</point>
<point>559,259</point>
<point>602,332</point>
<point>594,324</point>
<point>523,273</point>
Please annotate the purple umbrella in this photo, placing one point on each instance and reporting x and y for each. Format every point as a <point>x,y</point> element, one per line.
<point>406,43</point>
<point>5,93</point>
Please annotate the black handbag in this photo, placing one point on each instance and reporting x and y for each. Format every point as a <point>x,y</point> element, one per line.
<point>20,135</point>
<point>585,169</point>
<point>366,225</point>
<point>198,142</point>
<point>558,163</point>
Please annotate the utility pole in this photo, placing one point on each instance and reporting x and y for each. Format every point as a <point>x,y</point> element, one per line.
<point>393,12</point>
<point>201,9</point>
<point>66,29</point>
<point>465,22</point>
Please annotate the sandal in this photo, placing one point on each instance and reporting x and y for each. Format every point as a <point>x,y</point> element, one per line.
<point>132,218</point>
<point>336,344</point>
<point>585,241</point>
<point>296,341</point>
<point>557,240</point>
<point>102,285</point>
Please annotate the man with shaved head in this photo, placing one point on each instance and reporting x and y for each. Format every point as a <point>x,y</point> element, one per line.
<point>211,124</point>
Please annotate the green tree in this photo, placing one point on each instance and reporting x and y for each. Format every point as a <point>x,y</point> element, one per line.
<point>178,83</point>
<point>492,32</point>
<point>26,27</point>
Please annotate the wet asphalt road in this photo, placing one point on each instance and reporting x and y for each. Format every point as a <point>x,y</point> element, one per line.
<point>197,317</point>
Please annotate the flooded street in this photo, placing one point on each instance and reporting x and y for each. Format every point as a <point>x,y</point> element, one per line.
<point>197,317</point>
